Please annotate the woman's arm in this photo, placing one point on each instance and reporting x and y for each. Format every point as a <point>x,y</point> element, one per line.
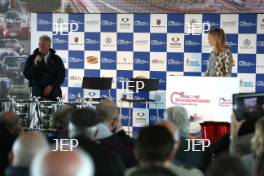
<point>229,64</point>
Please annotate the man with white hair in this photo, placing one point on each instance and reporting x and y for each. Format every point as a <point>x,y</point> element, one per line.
<point>111,135</point>
<point>23,151</point>
<point>83,127</point>
<point>179,117</point>
<point>45,71</point>
<point>62,163</point>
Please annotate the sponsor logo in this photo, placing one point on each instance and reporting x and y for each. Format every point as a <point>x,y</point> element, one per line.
<point>75,78</point>
<point>158,22</point>
<point>91,94</point>
<point>72,96</point>
<point>107,23</point>
<point>121,79</point>
<point>107,61</point>
<point>246,83</point>
<point>191,43</point>
<point>123,42</point>
<point>157,61</point>
<point>76,39</point>
<point>260,43</point>
<point>205,62</point>
<point>192,63</point>
<point>60,20</point>
<point>183,99</point>
<point>141,23</point>
<point>229,23</point>
<point>43,22</point>
<point>157,43</point>
<point>108,40</point>
<point>124,117</point>
<point>59,41</point>
<point>246,42</point>
<point>92,60</point>
<point>75,60</point>
<point>175,42</point>
<point>140,61</point>
<point>174,23</point>
<point>192,21</point>
<point>157,98</point>
<point>141,42</point>
<point>91,41</point>
<point>125,61</point>
<point>212,23</point>
<point>76,22</point>
<point>245,64</point>
<point>92,22</point>
<point>174,62</point>
<point>141,114</point>
<point>231,43</point>
<point>225,101</point>
<point>125,23</point>
<point>125,20</point>
<point>260,83</point>
<point>246,24</point>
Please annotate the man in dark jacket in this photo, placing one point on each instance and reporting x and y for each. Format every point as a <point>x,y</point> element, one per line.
<point>111,135</point>
<point>82,126</point>
<point>45,71</point>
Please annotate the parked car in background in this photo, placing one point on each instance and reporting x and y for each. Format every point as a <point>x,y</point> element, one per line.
<point>13,44</point>
<point>4,5</point>
<point>3,53</point>
<point>18,29</point>
<point>12,16</point>
<point>7,52</point>
<point>2,26</point>
<point>11,63</point>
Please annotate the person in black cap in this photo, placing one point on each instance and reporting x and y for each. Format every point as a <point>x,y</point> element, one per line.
<point>45,71</point>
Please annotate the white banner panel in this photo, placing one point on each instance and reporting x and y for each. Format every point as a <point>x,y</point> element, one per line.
<point>205,98</point>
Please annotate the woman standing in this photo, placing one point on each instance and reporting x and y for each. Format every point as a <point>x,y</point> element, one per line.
<point>220,60</point>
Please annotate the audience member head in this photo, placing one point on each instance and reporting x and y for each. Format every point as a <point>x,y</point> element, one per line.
<point>11,121</point>
<point>83,123</point>
<point>155,144</point>
<point>26,146</point>
<point>179,116</point>
<point>62,163</point>
<point>228,166</point>
<point>44,44</point>
<point>107,112</point>
<point>172,128</point>
<point>60,119</point>
<point>258,138</point>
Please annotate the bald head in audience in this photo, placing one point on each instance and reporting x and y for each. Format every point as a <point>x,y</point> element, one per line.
<point>62,163</point>
<point>26,146</point>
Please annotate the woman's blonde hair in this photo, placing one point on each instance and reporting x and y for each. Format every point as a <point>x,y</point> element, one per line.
<point>218,36</point>
<point>258,138</point>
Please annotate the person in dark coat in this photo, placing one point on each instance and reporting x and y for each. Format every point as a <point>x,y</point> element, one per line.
<point>82,126</point>
<point>9,130</point>
<point>45,71</point>
<point>111,135</point>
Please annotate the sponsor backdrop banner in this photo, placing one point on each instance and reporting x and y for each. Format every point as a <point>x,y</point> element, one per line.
<point>123,46</point>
